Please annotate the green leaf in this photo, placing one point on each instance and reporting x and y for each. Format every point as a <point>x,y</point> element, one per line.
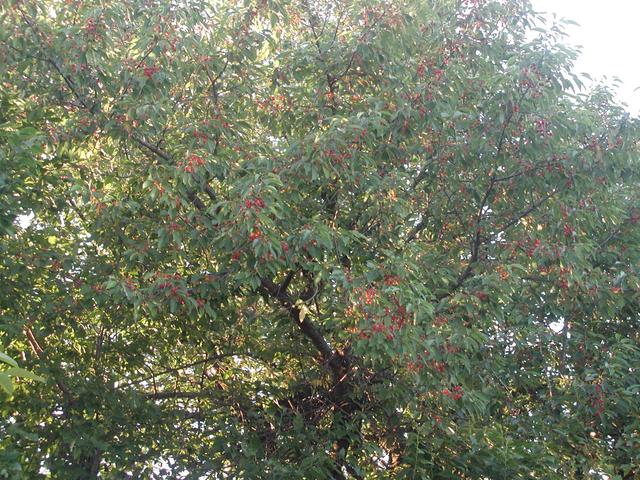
<point>6,383</point>
<point>22,373</point>
<point>7,359</point>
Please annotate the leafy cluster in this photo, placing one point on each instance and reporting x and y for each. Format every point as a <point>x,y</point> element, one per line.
<point>348,239</point>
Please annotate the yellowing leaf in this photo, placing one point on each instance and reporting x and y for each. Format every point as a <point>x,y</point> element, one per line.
<point>302,310</point>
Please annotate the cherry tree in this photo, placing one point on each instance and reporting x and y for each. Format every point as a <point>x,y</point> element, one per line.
<point>332,239</point>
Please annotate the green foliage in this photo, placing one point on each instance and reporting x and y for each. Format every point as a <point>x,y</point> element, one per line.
<point>336,239</point>
<point>13,371</point>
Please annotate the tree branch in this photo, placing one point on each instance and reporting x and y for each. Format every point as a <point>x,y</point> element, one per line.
<point>177,395</point>
<point>303,322</point>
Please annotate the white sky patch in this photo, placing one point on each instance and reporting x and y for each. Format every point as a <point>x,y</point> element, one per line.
<point>609,36</point>
<point>25,220</point>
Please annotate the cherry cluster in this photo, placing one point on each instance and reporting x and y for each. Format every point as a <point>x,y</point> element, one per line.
<point>455,394</point>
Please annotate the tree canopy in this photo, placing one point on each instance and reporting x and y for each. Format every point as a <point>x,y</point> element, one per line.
<point>341,239</point>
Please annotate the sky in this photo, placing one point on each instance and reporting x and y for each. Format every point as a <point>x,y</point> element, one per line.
<point>609,33</point>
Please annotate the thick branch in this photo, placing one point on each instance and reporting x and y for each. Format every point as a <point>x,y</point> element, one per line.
<point>308,328</point>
